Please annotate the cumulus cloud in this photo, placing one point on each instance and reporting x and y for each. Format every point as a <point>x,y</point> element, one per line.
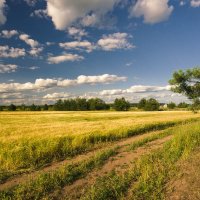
<point>36,51</point>
<point>195,3</point>
<point>115,41</point>
<point>89,20</point>
<point>26,38</point>
<point>55,96</point>
<point>41,13</point>
<point>105,78</point>
<point>8,34</point>
<point>78,45</point>
<point>66,12</point>
<point>41,84</point>
<point>11,52</point>
<point>135,89</point>
<point>77,33</point>
<point>2,12</point>
<point>8,68</point>
<point>64,58</point>
<point>153,11</point>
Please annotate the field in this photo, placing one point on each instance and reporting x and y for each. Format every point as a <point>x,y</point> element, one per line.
<point>96,155</point>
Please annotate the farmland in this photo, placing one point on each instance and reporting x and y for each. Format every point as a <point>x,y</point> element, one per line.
<point>93,155</point>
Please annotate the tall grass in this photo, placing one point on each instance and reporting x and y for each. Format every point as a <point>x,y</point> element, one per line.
<point>31,154</point>
<point>48,182</point>
<point>147,178</point>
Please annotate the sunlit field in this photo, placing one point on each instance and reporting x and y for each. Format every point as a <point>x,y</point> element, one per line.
<point>31,141</point>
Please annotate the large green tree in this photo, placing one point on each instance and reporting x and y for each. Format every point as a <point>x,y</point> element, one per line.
<point>121,105</point>
<point>187,83</point>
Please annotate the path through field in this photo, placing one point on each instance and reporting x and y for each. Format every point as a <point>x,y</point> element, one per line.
<point>120,162</point>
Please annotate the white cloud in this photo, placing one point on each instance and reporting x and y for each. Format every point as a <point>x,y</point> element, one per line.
<point>135,89</point>
<point>105,78</point>
<point>55,96</point>
<point>26,38</point>
<point>8,34</point>
<point>2,13</point>
<point>153,11</point>
<point>195,3</point>
<point>78,45</point>
<point>89,20</point>
<point>129,64</point>
<point>31,2</point>
<point>41,84</point>
<point>8,68</point>
<point>182,3</point>
<point>50,43</point>
<point>33,67</point>
<point>36,51</point>
<point>41,13</point>
<point>77,33</point>
<point>11,52</point>
<point>66,12</point>
<point>115,41</point>
<point>64,58</point>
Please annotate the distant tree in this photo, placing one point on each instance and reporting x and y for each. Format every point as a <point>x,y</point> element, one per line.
<point>33,107</point>
<point>22,107</point>
<point>1,108</point>
<point>121,105</point>
<point>171,105</point>
<point>81,104</point>
<point>142,103</point>
<point>12,107</point>
<point>97,104</point>
<point>38,108</point>
<point>182,105</point>
<point>152,105</point>
<point>187,83</point>
<point>59,105</point>
<point>45,107</point>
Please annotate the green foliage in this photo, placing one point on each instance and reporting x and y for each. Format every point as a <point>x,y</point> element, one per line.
<point>183,105</point>
<point>142,103</point>
<point>97,104</point>
<point>12,107</point>
<point>121,105</point>
<point>149,104</point>
<point>80,104</point>
<point>187,83</point>
<point>171,105</point>
<point>45,107</point>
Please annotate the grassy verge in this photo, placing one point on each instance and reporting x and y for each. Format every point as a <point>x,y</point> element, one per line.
<point>150,173</point>
<point>48,182</point>
<point>151,138</point>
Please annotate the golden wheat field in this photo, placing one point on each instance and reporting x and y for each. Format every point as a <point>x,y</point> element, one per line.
<point>93,155</point>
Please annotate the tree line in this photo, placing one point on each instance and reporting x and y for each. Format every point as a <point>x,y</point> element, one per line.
<point>95,104</point>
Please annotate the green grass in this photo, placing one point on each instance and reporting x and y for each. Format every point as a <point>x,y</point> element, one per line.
<point>48,182</point>
<point>147,178</point>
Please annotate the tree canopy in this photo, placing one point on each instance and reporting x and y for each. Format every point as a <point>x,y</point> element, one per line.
<point>187,83</point>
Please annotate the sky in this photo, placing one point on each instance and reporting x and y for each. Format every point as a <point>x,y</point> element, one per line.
<point>60,49</point>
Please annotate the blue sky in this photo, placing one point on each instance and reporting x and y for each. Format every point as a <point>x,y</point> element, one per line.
<point>95,48</point>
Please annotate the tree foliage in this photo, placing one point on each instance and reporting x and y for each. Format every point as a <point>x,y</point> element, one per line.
<point>12,107</point>
<point>186,82</point>
<point>149,104</point>
<point>121,105</point>
<point>171,105</point>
